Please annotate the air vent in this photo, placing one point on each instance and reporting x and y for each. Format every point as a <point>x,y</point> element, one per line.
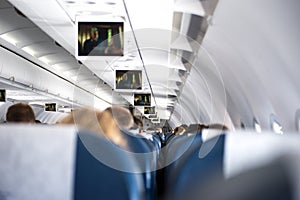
<point>19,13</point>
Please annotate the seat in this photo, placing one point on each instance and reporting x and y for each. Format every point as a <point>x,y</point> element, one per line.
<point>37,162</point>
<point>53,162</point>
<point>157,141</point>
<point>195,169</point>
<point>105,171</point>
<point>174,153</point>
<point>146,154</point>
<point>177,152</point>
<point>271,181</point>
<point>169,136</point>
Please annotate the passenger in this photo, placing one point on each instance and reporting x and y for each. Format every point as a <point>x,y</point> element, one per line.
<point>21,113</point>
<point>218,127</point>
<point>179,130</point>
<point>140,101</point>
<point>125,82</point>
<point>122,116</point>
<point>195,128</point>
<point>94,41</point>
<point>138,123</point>
<point>138,126</point>
<point>98,122</point>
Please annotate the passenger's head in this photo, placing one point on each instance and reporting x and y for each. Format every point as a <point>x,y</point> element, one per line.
<point>98,122</point>
<point>84,118</point>
<point>179,130</point>
<point>221,127</point>
<point>20,112</point>
<point>138,124</point>
<point>94,33</point>
<point>124,76</point>
<point>122,116</point>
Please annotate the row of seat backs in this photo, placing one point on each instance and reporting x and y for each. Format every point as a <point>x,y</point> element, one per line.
<point>163,138</point>
<point>56,162</point>
<point>199,168</point>
<point>189,162</point>
<point>146,153</point>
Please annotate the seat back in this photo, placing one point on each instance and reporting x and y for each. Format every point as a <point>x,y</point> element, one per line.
<point>37,162</point>
<point>177,151</point>
<point>105,171</point>
<point>146,154</point>
<point>269,182</point>
<point>54,162</point>
<point>196,170</point>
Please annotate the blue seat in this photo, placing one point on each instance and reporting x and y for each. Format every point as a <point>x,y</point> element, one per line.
<point>177,152</point>
<point>269,182</point>
<point>169,136</point>
<point>104,171</point>
<point>157,139</point>
<point>194,169</point>
<point>174,153</point>
<point>146,153</point>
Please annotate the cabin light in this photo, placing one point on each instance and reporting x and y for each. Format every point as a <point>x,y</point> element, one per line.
<point>67,73</point>
<point>57,67</point>
<point>9,39</point>
<point>277,128</point>
<point>44,60</point>
<point>74,78</point>
<point>29,51</point>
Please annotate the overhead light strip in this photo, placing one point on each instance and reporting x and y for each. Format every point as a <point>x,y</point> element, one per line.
<point>140,54</point>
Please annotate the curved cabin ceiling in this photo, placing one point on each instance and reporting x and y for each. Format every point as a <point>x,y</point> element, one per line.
<point>220,61</point>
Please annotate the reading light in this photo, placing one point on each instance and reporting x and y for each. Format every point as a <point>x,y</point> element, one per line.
<point>57,67</point>
<point>9,39</point>
<point>45,60</point>
<point>29,51</point>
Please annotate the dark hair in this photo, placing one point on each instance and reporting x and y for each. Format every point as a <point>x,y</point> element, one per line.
<point>20,112</point>
<point>218,126</point>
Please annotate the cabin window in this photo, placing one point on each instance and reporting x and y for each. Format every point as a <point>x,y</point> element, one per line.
<point>275,125</point>
<point>297,120</point>
<point>256,125</point>
<point>242,125</point>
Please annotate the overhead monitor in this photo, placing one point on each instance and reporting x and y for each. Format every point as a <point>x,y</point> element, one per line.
<point>128,79</point>
<point>149,110</point>
<point>100,38</point>
<point>50,107</point>
<point>142,99</point>
<point>2,95</point>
